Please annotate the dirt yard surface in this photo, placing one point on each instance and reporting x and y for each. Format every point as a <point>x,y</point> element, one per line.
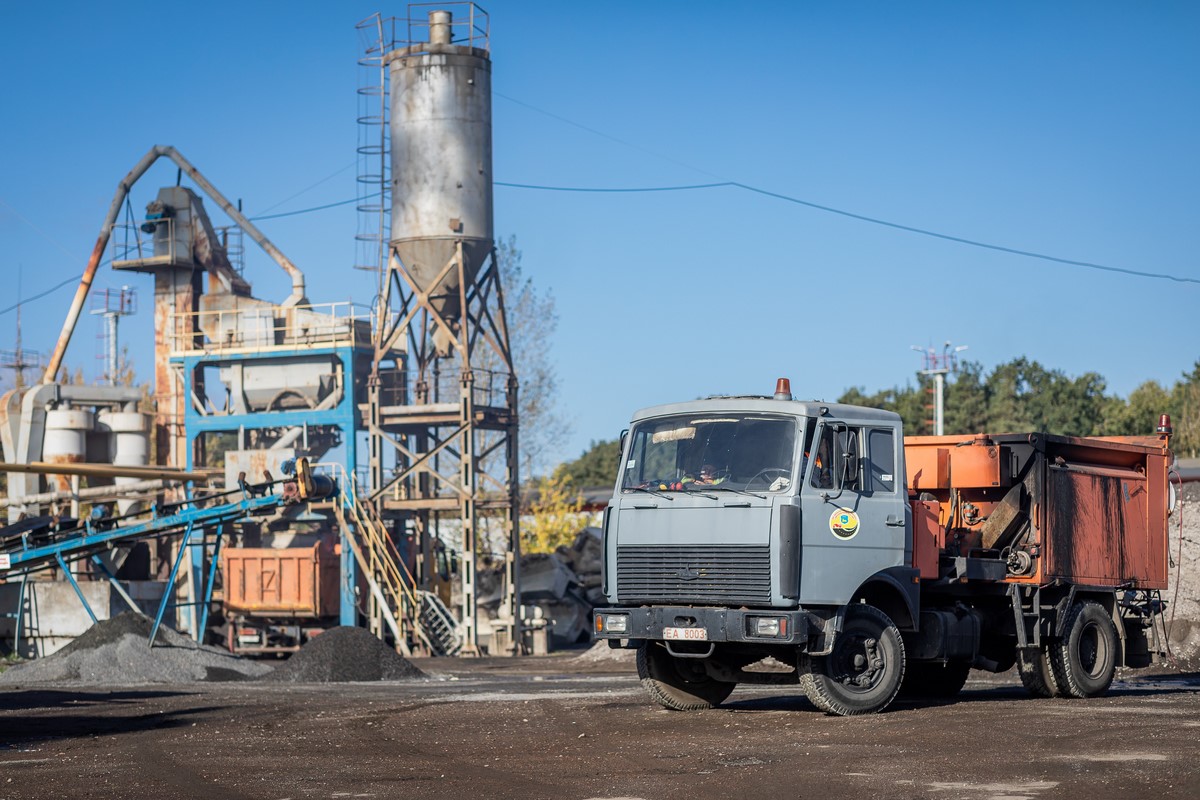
<point>568,729</point>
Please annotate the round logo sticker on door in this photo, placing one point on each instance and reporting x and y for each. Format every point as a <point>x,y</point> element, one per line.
<point>843,523</point>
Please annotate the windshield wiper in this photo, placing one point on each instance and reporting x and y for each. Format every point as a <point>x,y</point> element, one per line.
<point>647,490</point>
<point>687,488</point>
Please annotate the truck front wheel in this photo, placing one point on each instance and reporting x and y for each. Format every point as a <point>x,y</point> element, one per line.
<point>680,684</point>
<point>863,672</point>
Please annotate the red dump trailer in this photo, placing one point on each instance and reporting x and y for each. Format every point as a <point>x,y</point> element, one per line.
<point>276,598</point>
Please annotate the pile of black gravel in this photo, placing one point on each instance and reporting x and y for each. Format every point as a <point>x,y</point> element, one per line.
<point>344,654</point>
<point>117,652</point>
<point>110,631</point>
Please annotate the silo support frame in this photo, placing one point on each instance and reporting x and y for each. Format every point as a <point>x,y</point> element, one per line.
<point>477,430</point>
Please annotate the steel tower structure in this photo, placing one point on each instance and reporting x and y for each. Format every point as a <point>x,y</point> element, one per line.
<point>442,394</point>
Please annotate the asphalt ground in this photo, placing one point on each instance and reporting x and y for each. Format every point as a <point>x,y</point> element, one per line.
<point>554,728</point>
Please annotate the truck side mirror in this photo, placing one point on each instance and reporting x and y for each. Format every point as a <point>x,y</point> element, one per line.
<point>848,460</point>
<point>624,439</point>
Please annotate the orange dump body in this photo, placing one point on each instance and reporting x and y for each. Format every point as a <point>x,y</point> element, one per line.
<point>1088,511</point>
<point>297,582</point>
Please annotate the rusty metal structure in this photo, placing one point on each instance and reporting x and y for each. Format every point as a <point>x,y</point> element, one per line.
<point>1046,508</point>
<point>425,376</point>
<point>443,437</point>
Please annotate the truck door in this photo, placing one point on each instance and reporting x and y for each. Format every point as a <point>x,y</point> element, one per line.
<point>853,509</point>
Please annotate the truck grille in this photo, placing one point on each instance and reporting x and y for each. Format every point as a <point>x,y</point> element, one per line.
<point>724,573</point>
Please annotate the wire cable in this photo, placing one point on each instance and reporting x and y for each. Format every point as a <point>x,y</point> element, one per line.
<point>865,218</point>
<point>831,209</point>
<point>39,295</point>
<point>309,188</point>
<point>314,208</point>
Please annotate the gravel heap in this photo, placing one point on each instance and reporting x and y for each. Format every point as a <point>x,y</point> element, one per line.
<point>117,651</point>
<point>601,653</point>
<point>345,654</point>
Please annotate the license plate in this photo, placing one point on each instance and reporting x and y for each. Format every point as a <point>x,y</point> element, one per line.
<point>688,634</point>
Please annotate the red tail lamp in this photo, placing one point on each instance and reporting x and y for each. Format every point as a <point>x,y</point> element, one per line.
<point>1164,425</point>
<point>783,389</point>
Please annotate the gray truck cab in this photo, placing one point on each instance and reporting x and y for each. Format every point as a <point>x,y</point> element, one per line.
<point>745,526</point>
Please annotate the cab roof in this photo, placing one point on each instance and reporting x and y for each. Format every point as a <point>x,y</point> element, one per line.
<point>769,405</point>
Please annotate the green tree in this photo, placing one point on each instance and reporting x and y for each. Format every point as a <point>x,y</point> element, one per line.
<point>1138,415</point>
<point>966,400</point>
<point>1185,413</point>
<point>597,466</point>
<point>908,402</point>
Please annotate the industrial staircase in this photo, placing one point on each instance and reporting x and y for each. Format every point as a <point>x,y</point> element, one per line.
<point>418,620</point>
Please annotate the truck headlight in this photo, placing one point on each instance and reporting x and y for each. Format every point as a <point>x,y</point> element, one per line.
<point>612,623</point>
<point>769,626</point>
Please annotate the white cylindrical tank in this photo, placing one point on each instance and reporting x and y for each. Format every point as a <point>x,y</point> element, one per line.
<point>129,446</point>
<point>65,441</point>
<point>441,138</point>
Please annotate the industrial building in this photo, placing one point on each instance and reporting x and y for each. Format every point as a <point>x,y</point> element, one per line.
<point>406,404</point>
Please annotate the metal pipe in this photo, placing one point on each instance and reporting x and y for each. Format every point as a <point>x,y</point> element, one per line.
<point>297,297</point>
<point>89,272</point>
<point>439,27</point>
<point>86,494</point>
<point>109,471</point>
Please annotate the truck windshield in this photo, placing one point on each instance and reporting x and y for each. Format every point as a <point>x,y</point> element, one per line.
<point>750,452</point>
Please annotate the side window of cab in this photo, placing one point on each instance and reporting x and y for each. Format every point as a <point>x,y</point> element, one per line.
<point>881,463</point>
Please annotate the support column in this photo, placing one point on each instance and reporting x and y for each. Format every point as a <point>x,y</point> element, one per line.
<point>469,562</point>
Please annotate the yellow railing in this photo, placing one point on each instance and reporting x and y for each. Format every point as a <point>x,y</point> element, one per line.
<point>380,559</point>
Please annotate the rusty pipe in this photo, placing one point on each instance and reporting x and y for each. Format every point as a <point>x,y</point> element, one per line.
<point>89,272</point>
<point>109,471</point>
<point>297,297</point>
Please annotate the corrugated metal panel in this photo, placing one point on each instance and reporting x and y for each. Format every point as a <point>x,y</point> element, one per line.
<point>300,582</point>
<point>725,574</point>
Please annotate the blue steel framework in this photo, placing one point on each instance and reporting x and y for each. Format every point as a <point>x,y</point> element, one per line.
<point>343,416</point>
<point>89,541</point>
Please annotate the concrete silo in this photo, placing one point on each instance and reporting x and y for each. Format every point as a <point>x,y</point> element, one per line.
<point>444,439</point>
<point>441,179</point>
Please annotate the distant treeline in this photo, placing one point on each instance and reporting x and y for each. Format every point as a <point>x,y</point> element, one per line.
<point>1022,395</point>
<point>1016,397</point>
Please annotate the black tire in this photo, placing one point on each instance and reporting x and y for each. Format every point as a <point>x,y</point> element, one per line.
<point>863,673</point>
<point>680,684</point>
<point>1037,676</point>
<point>1085,659</point>
<point>934,679</point>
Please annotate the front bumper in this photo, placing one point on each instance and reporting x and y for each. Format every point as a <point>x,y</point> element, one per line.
<point>719,624</point>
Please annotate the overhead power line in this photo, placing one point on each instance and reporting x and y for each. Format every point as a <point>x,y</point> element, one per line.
<point>39,295</point>
<point>864,218</point>
<point>811,204</point>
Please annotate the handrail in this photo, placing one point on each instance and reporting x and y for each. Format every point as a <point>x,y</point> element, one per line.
<point>382,557</point>
<point>263,328</point>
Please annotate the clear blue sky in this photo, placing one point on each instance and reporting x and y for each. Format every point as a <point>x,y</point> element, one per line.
<point>1063,128</point>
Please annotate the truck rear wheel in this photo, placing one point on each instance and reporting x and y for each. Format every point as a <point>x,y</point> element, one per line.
<point>863,672</point>
<point>1037,676</point>
<point>680,684</point>
<point>1085,659</point>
